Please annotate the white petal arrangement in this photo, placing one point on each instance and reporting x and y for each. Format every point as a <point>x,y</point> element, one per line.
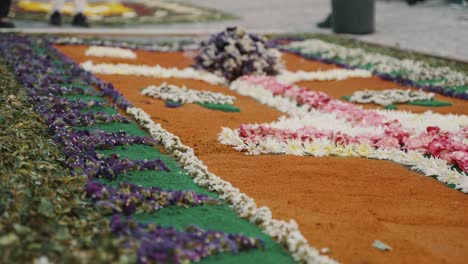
<point>329,75</point>
<point>389,96</point>
<point>343,129</point>
<point>99,51</point>
<point>356,57</point>
<point>151,71</point>
<point>191,73</point>
<point>183,95</point>
<point>285,233</point>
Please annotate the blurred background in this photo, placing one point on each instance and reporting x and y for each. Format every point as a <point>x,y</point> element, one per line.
<point>437,27</point>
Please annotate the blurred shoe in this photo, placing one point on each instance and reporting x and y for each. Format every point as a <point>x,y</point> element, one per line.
<point>6,24</point>
<point>413,2</point>
<point>55,19</point>
<point>80,20</point>
<point>327,23</point>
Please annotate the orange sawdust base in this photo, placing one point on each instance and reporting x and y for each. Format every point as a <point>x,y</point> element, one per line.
<point>340,203</point>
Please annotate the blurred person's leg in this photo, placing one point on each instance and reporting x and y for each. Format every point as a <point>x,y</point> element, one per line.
<point>56,18</point>
<point>79,19</point>
<point>4,10</point>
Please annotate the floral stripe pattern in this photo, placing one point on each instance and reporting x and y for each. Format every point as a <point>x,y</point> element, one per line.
<point>321,125</point>
<point>389,96</point>
<point>406,72</point>
<point>111,52</point>
<point>152,71</point>
<point>183,95</point>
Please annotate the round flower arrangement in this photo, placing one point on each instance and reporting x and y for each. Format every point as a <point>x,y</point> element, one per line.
<point>233,53</point>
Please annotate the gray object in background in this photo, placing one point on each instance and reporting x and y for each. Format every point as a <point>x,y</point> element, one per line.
<point>353,16</point>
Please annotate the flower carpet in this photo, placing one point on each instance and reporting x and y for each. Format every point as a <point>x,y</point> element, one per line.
<point>117,13</point>
<point>188,157</point>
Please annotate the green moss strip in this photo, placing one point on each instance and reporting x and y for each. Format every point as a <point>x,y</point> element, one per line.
<point>430,103</point>
<point>83,97</point>
<point>220,107</point>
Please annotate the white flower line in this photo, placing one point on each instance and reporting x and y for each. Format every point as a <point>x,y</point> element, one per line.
<point>182,94</point>
<point>112,52</point>
<point>191,73</point>
<point>152,71</point>
<point>356,57</point>
<point>289,77</point>
<point>428,166</point>
<point>285,233</point>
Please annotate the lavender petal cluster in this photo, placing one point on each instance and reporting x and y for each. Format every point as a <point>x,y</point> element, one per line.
<point>233,53</point>
<point>157,244</point>
<point>80,147</point>
<point>128,198</point>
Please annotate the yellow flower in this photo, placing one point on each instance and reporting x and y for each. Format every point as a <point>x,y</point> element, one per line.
<point>294,147</point>
<point>364,150</point>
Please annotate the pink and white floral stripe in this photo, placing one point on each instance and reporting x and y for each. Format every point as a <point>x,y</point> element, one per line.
<point>317,144</point>
<point>351,113</point>
<point>316,117</point>
<point>444,145</point>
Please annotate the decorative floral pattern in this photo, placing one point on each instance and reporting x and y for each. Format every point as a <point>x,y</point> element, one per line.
<point>183,95</point>
<point>233,53</point>
<point>406,72</point>
<point>98,51</point>
<point>321,126</point>
<point>152,71</point>
<point>285,233</point>
<point>390,96</point>
<point>81,149</point>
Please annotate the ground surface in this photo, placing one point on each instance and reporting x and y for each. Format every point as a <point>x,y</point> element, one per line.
<point>340,203</point>
<point>433,27</point>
